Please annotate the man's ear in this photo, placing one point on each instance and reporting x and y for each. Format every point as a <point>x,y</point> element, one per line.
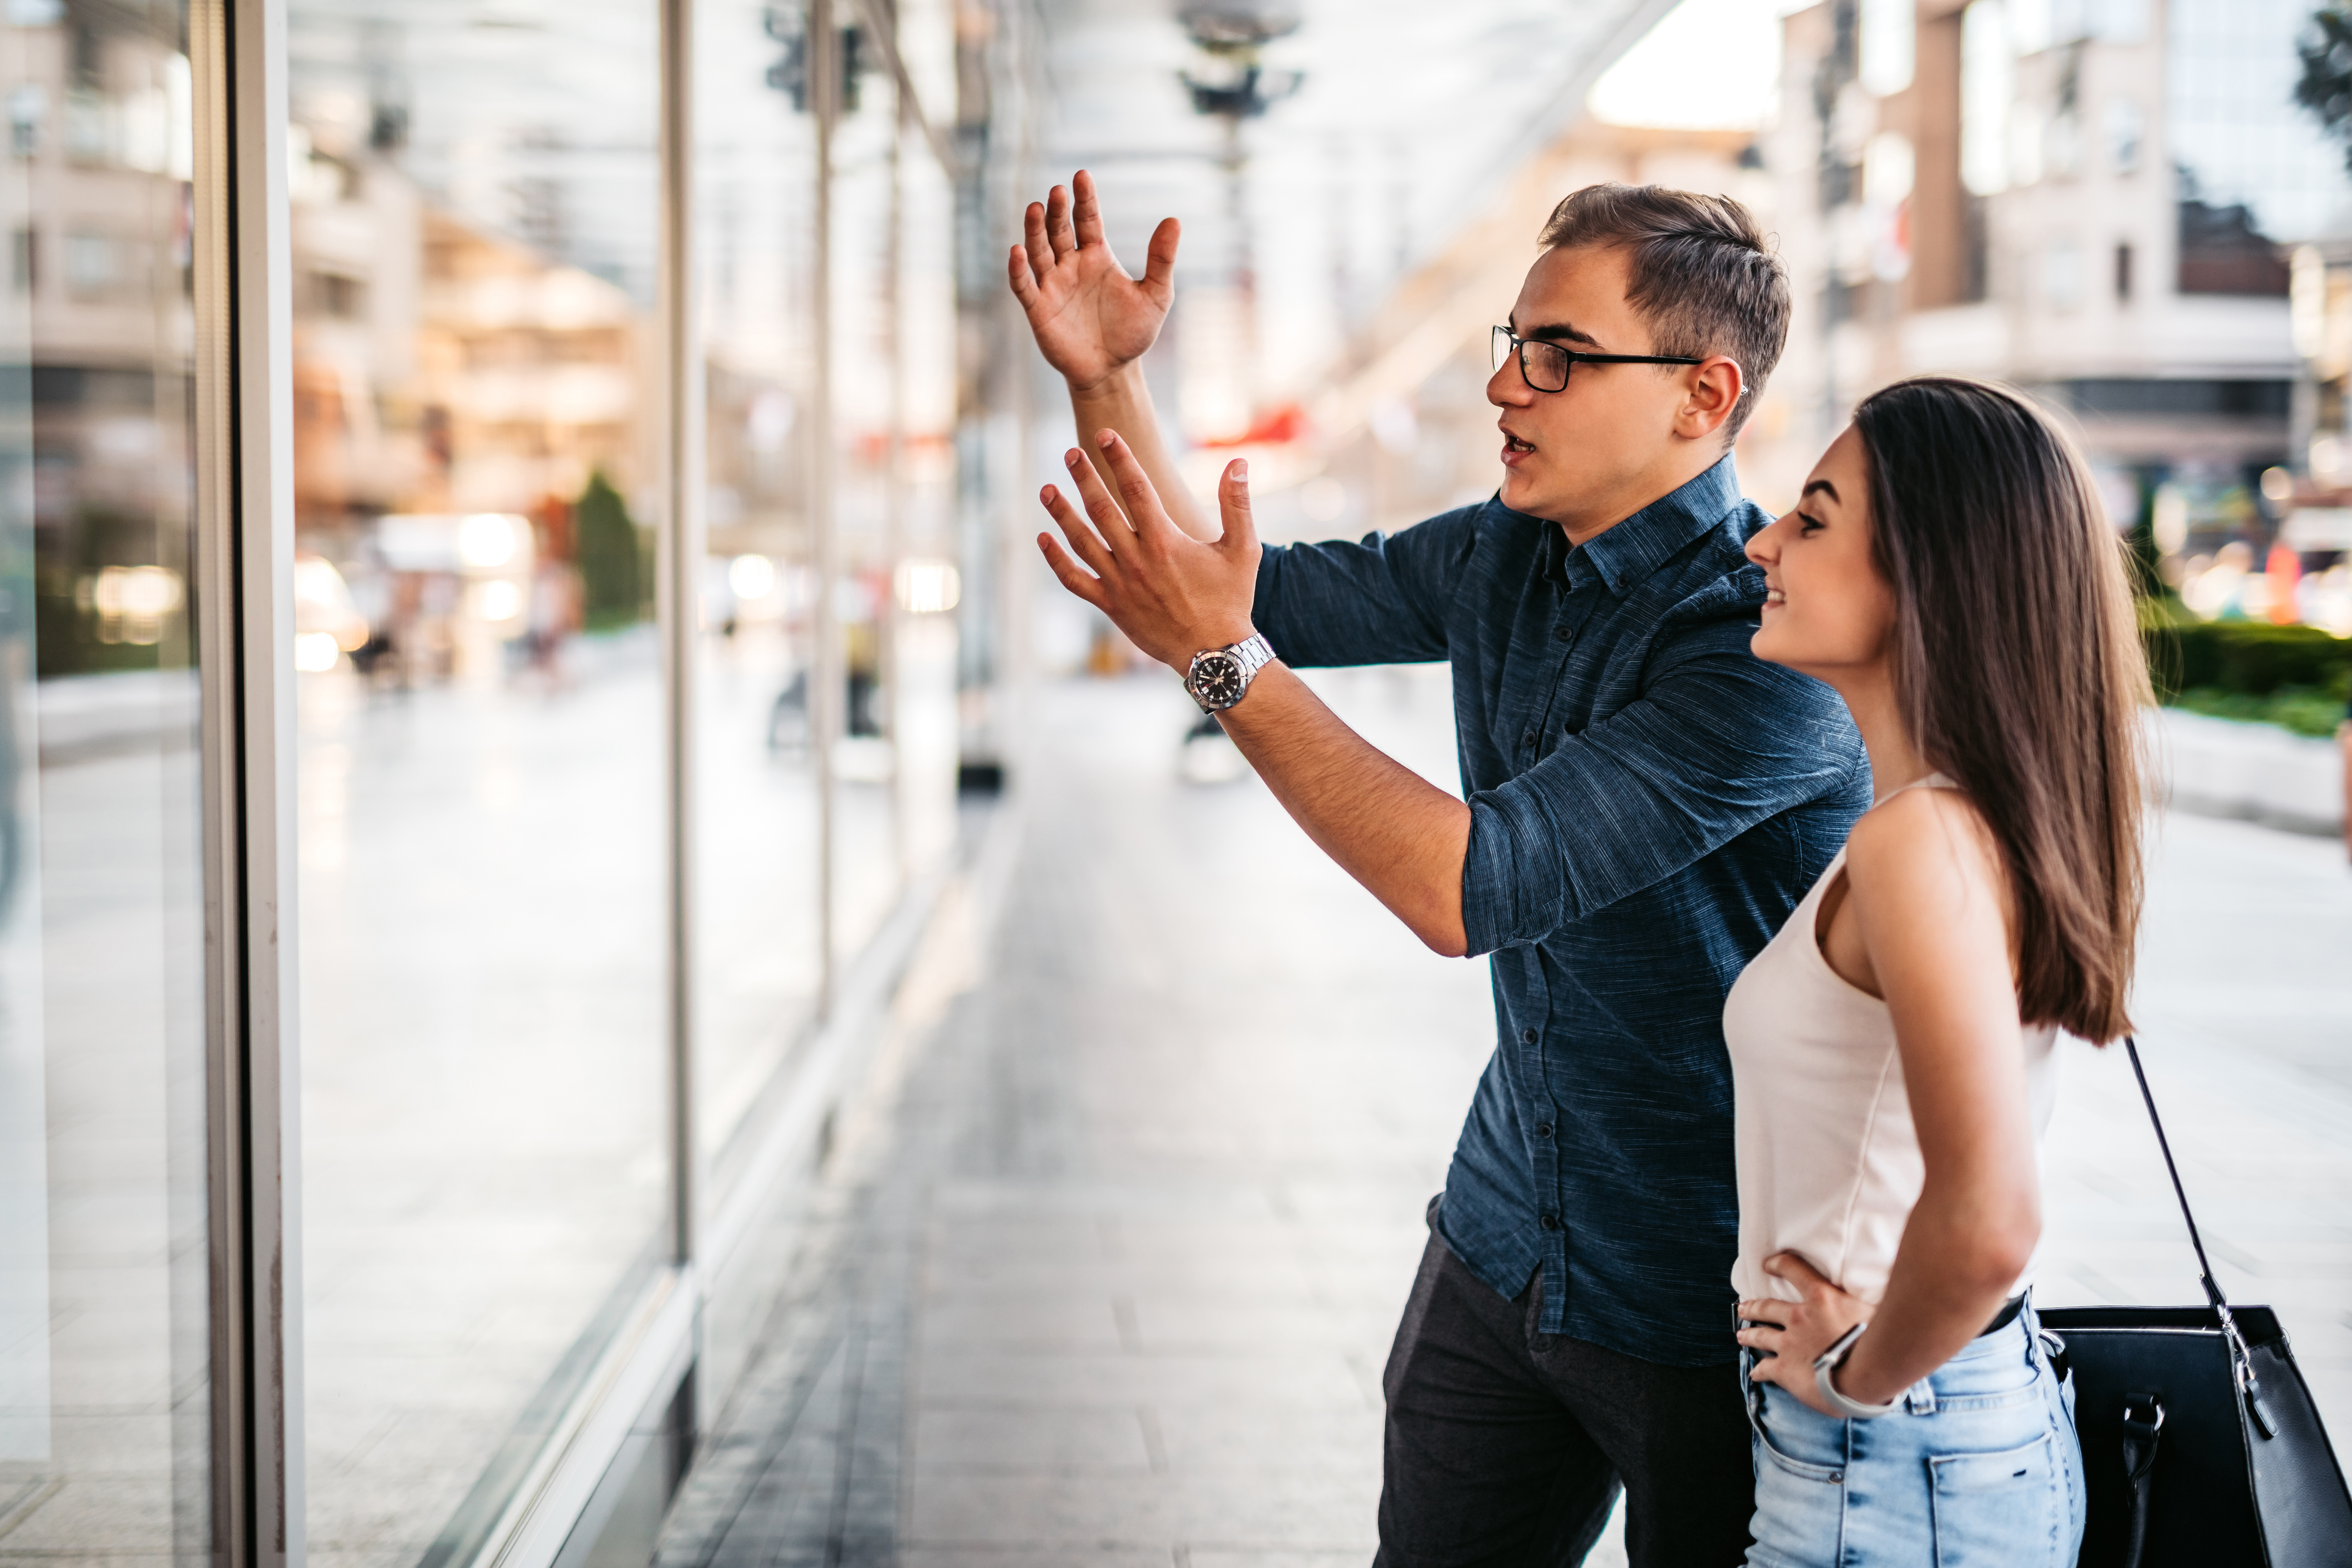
<point>1711,394</point>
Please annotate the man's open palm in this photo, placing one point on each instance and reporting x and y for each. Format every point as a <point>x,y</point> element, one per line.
<point>1090,317</point>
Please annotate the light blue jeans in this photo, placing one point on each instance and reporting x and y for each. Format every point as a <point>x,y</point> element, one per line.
<point>1980,1466</point>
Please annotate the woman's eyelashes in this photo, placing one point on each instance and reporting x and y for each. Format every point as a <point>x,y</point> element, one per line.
<point>1808,525</point>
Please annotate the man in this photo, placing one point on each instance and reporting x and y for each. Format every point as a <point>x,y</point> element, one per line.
<point>1646,803</point>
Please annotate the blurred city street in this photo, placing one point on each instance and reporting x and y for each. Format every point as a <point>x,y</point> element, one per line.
<point>596,964</point>
<point>1108,1271</point>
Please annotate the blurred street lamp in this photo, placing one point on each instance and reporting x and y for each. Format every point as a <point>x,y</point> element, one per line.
<point>1234,87</point>
<point>1231,32</point>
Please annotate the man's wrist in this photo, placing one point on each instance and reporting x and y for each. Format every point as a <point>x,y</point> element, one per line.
<point>1109,382</point>
<point>1210,641</point>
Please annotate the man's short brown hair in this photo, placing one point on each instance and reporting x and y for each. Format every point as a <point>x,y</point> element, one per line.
<point>1699,273</point>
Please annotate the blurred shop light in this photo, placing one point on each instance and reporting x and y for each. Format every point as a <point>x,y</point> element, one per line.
<point>928,587</point>
<point>487,540</point>
<point>2278,485</point>
<point>2168,519</point>
<point>2306,302</point>
<point>315,653</point>
<point>752,576</point>
<point>1323,499</point>
<point>2326,456</point>
<point>323,606</point>
<point>497,600</point>
<point>132,603</point>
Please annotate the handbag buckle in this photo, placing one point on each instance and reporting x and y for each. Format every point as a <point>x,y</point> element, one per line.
<point>2250,1389</point>
<point>2142,1419</point>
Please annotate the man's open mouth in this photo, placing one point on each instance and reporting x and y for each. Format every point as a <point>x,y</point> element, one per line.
<point>1513,444</point>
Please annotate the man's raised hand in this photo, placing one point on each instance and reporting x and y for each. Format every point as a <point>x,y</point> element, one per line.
<point>1173,595</point>
<point>1090,317</point>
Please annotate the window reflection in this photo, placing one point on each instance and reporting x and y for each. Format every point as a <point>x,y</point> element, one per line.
<point>892,413</point>
<point>2249,166</point>
<point>473,221</point>
<point>104,1387</point>
<point>756,928</point>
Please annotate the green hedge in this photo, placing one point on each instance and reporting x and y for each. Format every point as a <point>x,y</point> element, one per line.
<point>2251,659</point>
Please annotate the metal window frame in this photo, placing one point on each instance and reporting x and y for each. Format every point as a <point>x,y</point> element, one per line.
<point>244,558</point>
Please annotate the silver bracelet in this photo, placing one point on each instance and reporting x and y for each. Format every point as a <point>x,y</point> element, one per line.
<point>1828,1362</point>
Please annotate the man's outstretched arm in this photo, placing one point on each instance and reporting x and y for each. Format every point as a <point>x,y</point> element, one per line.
<point>1399,836</point>
<point>1093,323</point>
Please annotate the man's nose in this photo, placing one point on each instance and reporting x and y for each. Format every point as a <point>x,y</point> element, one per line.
<point>1507,388</point>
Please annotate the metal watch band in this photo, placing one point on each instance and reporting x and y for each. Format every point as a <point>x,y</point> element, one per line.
<point>1827,1363</point>
<point>1254,653</point>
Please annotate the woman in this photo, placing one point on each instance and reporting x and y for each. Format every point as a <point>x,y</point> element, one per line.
<point>1948,571</point>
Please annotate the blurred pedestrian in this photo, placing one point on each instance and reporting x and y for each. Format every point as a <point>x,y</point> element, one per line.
<point>1949,573</point>
<point>1646,802</point>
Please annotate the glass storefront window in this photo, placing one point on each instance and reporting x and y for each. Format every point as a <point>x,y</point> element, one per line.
<point>105,1389</point>
<point>893,409</point>
<point>473,224</point>
<point>758,971</point>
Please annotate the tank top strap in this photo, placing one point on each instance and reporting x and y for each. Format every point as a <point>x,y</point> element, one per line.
<point>1932,781</point>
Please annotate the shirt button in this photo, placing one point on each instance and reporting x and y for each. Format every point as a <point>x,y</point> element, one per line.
<point>1528,739</point>
<point>1528,1035</point>
<point>1543,1129</point>
<point>1560,633</point>
<point>1551,1222</point>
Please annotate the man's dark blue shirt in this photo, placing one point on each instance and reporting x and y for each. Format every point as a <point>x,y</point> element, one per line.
<point>1648,801</point>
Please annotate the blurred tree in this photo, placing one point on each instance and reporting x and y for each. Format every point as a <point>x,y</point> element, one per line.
<point>612,575</point>
<point>2326,88</point>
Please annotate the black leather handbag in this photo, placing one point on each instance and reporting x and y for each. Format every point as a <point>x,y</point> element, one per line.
<point>2200,1443</point>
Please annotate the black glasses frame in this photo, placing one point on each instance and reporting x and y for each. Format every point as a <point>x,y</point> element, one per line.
<point>1507,343</point>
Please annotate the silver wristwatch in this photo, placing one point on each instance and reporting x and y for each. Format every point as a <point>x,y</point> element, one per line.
<point>1220,676</point>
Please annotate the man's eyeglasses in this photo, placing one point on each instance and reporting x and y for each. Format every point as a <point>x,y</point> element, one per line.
<point>1545,364</point>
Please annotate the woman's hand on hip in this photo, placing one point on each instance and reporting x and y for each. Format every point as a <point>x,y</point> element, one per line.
<point>1791,1334</point>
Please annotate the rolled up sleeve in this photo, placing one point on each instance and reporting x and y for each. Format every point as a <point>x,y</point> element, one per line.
<point>1381,599</point>
<point>1717,744</point>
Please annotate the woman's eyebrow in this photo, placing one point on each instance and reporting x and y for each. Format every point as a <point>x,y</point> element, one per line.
<point>1823,485</point>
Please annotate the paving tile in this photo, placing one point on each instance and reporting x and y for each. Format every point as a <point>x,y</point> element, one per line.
<point>999,1437</point>
<point>1090,1378</point>
<point>920,1553</point>
<point>1043,1509</point>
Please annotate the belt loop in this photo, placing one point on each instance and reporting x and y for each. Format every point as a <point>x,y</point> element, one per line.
<point>1919,1399</point>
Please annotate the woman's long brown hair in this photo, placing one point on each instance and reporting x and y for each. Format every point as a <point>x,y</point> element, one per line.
<point>2019,670</point>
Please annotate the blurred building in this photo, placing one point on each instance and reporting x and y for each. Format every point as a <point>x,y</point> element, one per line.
<point>2088,198</point>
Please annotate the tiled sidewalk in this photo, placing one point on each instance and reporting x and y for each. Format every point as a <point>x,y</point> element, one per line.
<point>1112,1281</point>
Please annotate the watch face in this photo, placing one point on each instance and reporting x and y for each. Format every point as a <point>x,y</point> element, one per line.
<point>1217,679</point>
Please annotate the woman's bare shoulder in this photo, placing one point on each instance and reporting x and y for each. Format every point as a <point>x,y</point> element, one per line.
<point>1929,842</point>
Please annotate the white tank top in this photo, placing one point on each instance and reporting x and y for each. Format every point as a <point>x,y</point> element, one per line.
<point>1829,1161</point>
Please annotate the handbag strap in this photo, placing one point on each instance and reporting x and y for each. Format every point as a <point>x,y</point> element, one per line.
<point>2164,1145</point>
<point>2249,1386</point>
